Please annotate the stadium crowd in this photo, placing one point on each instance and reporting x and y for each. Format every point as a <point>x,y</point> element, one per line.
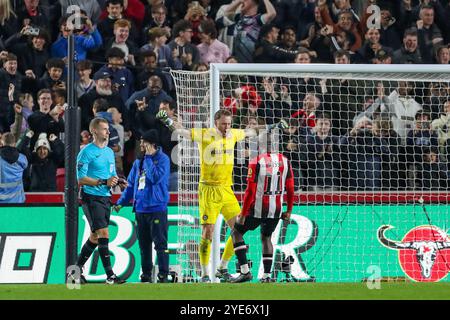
<point>344,134</point>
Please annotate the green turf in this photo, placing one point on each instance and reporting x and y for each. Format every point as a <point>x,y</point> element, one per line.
<point>282,291</point>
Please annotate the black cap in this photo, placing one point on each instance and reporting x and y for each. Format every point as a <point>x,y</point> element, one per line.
<point>151,136</point>
<point>102,75</point>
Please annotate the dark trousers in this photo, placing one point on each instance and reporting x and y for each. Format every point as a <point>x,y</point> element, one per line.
<point>153,228</point>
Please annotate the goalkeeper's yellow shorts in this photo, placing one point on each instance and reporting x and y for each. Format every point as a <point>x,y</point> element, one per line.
<point>214,200</point>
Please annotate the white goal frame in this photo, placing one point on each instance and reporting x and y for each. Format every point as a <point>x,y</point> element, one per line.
<point>216,69</point>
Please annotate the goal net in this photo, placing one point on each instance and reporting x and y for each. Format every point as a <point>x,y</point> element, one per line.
<point>368,147</point>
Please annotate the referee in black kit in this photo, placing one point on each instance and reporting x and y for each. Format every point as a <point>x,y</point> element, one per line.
<point>96,173</point>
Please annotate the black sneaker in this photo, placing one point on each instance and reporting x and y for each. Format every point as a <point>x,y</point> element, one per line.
<point>146,278</point>
<point>267,280</point>
<point>243,277</point>
<point>223,275</point>
<point>205,279</point>
<point>162,278</point>
<point>114,280</point>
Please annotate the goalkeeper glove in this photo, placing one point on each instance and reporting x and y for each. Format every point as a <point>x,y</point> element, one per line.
<point>280,125</point>
<point>164,118</point>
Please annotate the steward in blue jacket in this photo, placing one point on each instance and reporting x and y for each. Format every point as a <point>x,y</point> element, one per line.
<point>148,186</point>
<point>12,165</point>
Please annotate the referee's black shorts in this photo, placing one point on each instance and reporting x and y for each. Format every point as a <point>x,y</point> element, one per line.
<point>268,225</point>
<point>97,210</point>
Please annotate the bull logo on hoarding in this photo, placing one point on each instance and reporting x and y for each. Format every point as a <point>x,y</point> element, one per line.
<point>424,252</point>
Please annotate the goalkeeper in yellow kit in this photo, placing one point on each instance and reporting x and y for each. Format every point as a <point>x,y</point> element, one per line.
<point>216,147</point>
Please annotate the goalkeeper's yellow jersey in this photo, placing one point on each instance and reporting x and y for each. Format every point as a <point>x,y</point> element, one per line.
<point>216,154</point>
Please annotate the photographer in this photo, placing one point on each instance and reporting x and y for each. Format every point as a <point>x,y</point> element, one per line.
<point>87,38</point>
<point>148,184</point>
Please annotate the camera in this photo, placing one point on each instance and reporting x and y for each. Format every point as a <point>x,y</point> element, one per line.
<point>32,31</point>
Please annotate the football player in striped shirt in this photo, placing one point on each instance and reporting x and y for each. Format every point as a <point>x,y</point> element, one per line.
<point>269,178</point>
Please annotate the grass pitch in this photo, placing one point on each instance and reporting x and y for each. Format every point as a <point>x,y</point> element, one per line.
<point>247,291</point>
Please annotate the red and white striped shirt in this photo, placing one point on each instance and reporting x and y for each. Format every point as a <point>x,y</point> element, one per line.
<point>269,178</point>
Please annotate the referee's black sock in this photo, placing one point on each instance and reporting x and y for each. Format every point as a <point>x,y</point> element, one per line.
<point>240,250</point>
<point>86,252</point>
<point>103,250</point>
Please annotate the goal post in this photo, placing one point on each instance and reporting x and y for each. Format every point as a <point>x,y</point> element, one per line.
<point>368,145</point>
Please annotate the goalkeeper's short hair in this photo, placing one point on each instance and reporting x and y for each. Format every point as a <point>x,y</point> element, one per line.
<point>222,113</point>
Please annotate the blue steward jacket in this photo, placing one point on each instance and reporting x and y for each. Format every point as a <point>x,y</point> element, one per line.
<point>154,196</point>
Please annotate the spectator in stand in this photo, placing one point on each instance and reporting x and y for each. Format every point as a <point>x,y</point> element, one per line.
<point>211,50</point>
<point>345,22</point>
<point>121,40</point>
<point>116,123</point>
<point>248,104</point>
<point>10,89</point>
<point>225,27</point>
<point>442,127</point>
<point>390,31</point>
<point>307,114</point>
<point>343,94</point>
<point>33,54</point>
<point>362,153</point>
<point>195,15</point>
<point>181,46</point>
<point>248,24</point>
<point>442,55</point>
<point>144,105</point>
<point>288,39</point>
<point>383,57</point>
<point>409,52</point>
<point>168,121</point>
<point>393,166</point>
<point>103,89</point>
<point>302,56</point>
<point>122,77</point>
<point>54,77</point>
<point>8,22</point>
<point>166,58</point>
<point>34,14</point>
<point>401,107</point>
<point>59,98</point>
<point>12,166</point>
<point>432,173</point>
<point>150,68</point>
<point>371,46</point>
<point>296,14</point>
<point>429,34</point>
<point>87,38</point>
<point>267,50</point>
<point>22,111</point>
<point>115,12</point>
<point>316,38</point>
<point>84,84</point>
<point>323,155</point>
<point>420,138</point>
<point>47,156</point>
<point>157,18</point>
<point>85,138</point>
<point>100,110</point>
<point>47,119</point>
<point>134,10</point>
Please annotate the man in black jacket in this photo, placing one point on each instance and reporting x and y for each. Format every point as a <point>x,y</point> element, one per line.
<point>103,89</point>
<point>267,50</point>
